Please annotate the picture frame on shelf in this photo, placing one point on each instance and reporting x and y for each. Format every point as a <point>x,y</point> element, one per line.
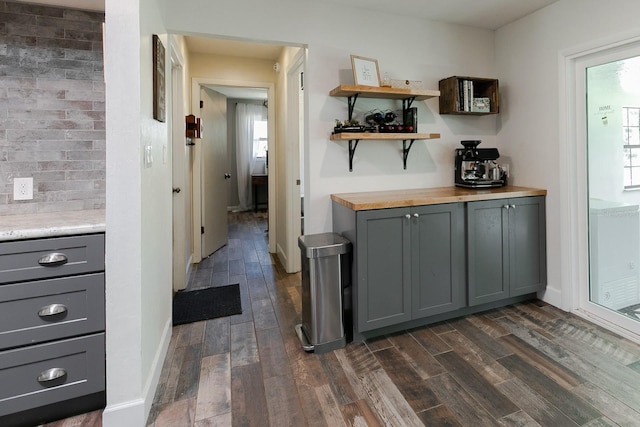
<point>365,71</point>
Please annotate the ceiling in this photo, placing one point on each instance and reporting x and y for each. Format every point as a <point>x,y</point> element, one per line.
<point>489,14</point>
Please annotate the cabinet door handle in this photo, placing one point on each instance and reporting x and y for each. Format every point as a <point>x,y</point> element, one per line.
<point>407,216</point>
<point>513,206</point>
<point>53,259</point>
<point>415,215</point>
<point>52,310</point>
<point>505,207</point>
<point>51,374</point>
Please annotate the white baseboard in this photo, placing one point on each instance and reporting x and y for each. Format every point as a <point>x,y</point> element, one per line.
<point>127,414</point>
<point>149,390</point>
<point>553,296</point>
<point>282,256</point>
<point>134,413</point>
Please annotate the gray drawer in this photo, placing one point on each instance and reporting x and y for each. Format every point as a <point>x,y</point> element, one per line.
<point>27,259</point>
<point>45,310</point>
<point>81,359</point>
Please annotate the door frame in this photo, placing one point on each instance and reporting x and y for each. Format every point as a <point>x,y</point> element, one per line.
<point>196,83</point>
<point>181,264</point>
<point>293,158</point>
<point>573,182</point>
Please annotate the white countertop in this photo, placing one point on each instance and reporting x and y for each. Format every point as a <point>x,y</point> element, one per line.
<point>53,224</point>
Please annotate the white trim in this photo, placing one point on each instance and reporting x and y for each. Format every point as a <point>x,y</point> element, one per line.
<point>573,182</point>
<point>149,390</point>
<point>292,264</point>
<point>125,414</point>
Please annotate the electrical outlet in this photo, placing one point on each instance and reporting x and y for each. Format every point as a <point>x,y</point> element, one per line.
<point>23,188</point>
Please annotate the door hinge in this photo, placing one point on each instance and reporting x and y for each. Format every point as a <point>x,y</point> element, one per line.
<point>302,80</point>
<point>297,182</point>
<point>201,104</point>
<point>201,230</point>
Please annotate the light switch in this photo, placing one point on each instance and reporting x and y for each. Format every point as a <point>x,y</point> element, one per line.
<point>148,156</point>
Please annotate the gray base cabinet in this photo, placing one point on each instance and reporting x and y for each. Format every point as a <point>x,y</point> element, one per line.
<point>407,262</point>
<point>52,328</point>
<point>506,246</point>
<point>413,265</point>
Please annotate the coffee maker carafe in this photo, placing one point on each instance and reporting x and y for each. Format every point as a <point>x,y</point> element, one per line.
<point>478,167</point>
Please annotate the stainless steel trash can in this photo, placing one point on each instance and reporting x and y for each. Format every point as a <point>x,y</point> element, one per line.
<point>325,277</point>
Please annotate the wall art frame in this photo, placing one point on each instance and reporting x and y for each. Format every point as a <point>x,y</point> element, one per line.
<point>365,71</point>
<point>159,112</point>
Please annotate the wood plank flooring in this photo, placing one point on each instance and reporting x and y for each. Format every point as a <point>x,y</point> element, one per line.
<point>527,364</point>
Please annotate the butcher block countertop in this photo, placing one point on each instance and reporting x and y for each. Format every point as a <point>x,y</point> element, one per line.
<point>53,224</point>
<point>429,196</point>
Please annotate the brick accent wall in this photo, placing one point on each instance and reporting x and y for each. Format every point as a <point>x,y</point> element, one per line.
<point>52,115</point>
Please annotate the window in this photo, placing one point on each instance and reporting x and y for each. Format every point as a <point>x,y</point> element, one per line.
<point>631,136</point>
<point>260,138</point>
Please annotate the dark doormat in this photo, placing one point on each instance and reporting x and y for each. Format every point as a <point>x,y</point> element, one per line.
<point>203,304</point>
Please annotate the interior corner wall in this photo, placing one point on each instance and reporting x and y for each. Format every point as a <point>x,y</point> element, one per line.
<point>138,216</point>
<point>528,55</point>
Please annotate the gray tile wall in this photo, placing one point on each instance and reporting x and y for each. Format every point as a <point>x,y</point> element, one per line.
<point>52,118</point>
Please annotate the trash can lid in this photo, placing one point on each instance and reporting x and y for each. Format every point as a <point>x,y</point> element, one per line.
<point>323,245</point>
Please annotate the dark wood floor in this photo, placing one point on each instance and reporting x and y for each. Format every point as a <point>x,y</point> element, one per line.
<point>524,365</point>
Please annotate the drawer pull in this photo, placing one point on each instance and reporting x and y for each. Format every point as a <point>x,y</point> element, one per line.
<point>51,374</point>
<point>53,259</point>
<point>52,310</point>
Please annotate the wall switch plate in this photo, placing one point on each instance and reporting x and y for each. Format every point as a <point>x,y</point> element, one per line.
<point>23,188</point>
<point>148,156</point>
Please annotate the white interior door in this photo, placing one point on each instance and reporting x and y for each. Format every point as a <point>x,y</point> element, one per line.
<point>214,183</point>
<point>295,132</point>
<point>181,228</point>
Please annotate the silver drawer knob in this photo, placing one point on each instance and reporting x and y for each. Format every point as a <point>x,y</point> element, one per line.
<point>415,215</point>
<point>52,310</point>
<point>53,259</point>
<point>51,374</point>
<point>407,216</point>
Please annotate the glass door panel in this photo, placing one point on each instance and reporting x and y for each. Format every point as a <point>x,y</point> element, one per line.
<point>613,164</point>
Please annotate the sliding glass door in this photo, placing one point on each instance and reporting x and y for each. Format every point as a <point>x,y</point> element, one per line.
<point>613,187</point>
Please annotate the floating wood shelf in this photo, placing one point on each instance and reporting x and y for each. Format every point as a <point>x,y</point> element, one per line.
<point>382,136</point>
<point>355,137</point>
<point>384,92</point>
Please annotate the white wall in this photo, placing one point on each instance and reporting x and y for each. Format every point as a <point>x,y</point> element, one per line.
<point>138,215</point>
<point>528,54</point>
<point>407,48</point>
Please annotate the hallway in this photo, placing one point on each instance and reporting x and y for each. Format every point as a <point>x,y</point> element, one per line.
<point>527,364</point>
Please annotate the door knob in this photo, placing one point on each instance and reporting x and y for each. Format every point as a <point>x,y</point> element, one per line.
<point>177,190</point>
<point>227,175</point>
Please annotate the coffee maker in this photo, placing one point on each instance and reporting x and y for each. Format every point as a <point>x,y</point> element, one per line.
<point>478,167</point>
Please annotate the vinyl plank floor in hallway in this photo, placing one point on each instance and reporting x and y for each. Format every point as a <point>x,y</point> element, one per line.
<point>528,364</point>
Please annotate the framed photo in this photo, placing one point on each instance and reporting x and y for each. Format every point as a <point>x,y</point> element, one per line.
<point>158,80</point>
<point>365,71</point>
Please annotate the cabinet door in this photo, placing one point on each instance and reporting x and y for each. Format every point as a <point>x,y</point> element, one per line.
<point>384,271</point>
<point>437,259</point>
<point>487,251</point>
<point>527,245</point>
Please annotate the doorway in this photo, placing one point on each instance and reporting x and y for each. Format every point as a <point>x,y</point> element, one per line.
<point>198,187</point>
<point>604,221</point>
<point>613,167</point>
